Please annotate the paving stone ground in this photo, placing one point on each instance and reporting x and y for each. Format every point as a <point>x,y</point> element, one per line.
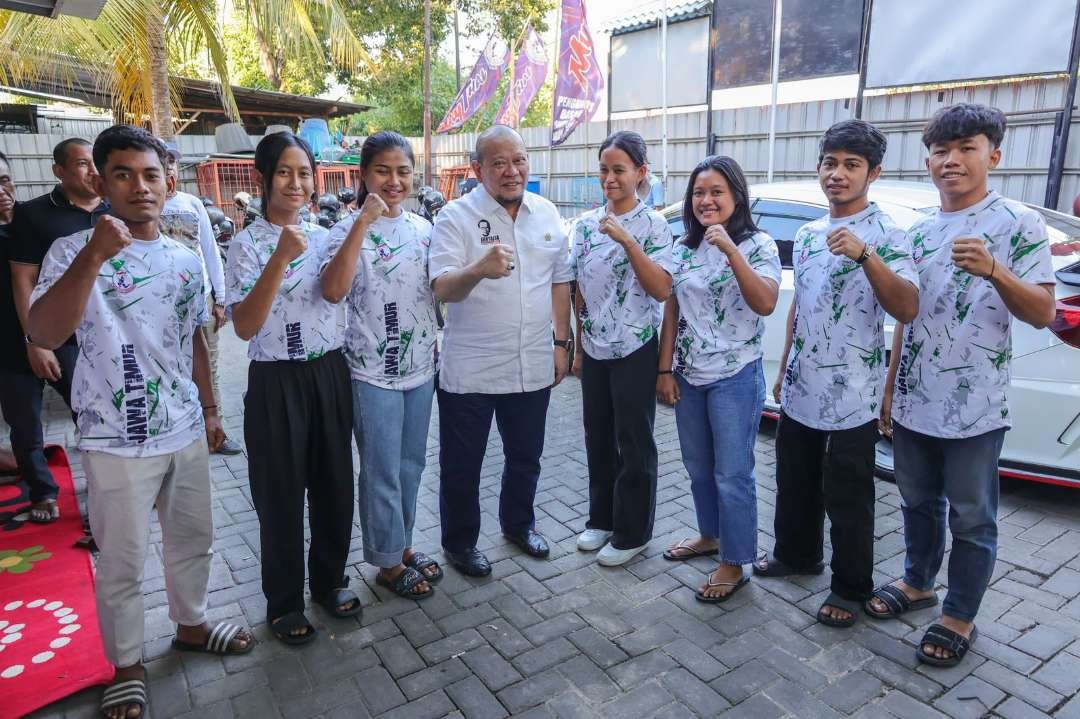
<point>567,638</point>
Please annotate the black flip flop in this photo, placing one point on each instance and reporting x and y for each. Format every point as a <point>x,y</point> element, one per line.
<point>403,585</point>
<point>720,599</point>
<point>770,566</point>
<point>217,641</point>
<point>669,554</point>
<point>283,626</point>
<point>941,636</point>
<point>835,600</point>
<point>333,600</point>
<point>420,561</point>
<point>896,602</point>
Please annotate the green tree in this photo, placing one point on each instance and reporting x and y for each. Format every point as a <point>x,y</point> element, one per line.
<point>127,49</point>
<point>390,82</point>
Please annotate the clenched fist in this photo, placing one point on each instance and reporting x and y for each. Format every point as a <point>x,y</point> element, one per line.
<point>719,238</point>
<point>497,262</point>
<point>111,235</point>
<point>611,227</point>
<point>843,241</point>
<point>292,243</point>
<point>373,208</point>
<point>970,255</point>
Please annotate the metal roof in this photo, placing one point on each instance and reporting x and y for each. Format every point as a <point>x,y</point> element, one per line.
<point>650,14</point>
<point>88,9</point>
<point>196,96</point>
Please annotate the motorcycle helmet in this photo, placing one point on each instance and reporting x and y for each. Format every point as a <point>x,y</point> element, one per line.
<point>346,195</point>
<point>329,203</point>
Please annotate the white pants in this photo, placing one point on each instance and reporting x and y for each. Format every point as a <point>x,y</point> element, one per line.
<point>122,492</point>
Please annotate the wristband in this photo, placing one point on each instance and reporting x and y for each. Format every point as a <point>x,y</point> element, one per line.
<point>209,406</point>
<point>865,254</point>
<point>663,371</point>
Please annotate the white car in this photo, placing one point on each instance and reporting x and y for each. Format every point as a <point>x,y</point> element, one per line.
<point>1044,442</point>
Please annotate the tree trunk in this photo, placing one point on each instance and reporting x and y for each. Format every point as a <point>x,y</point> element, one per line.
<point>428,179</point>
<point>161,117</point>
<point>267,61</point>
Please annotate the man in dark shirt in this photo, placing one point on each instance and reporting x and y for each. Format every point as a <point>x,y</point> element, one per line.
<point>9,322</point>
<point>70,207</point>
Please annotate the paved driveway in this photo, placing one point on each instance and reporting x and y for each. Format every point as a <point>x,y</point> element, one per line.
<point>566,638</point>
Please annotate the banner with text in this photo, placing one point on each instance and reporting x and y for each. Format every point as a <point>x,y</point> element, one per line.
<point>530,71</point>
<point>481,85</point>
<point>579,83</point>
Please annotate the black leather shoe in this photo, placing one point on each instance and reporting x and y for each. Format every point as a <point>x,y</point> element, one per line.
<point>532,543</point>
<point>471,562</point>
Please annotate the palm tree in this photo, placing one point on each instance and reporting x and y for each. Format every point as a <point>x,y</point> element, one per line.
<point>124,49</point>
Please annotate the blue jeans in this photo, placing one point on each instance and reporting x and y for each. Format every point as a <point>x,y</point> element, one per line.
<point>929,472</point>
<point>717,426</point>
<point>391,428</point>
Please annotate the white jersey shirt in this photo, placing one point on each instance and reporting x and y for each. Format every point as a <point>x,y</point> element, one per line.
<point>132,389</point>
<point>718,334</point>
<point>954,367</point>
<point>390,340</point>
<point>836,367</point>
<point>619,316</point>
<point>301,324</point>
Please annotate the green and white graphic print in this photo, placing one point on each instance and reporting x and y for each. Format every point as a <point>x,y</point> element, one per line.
<point>718,333</point>
<point>390,340</point>
<point>836,367</point>
<point>619,315</point>
<point>301,325</point>
<point>132,389</point>
<point>954,369</point>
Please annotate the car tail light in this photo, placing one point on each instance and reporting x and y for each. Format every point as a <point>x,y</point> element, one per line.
<point>1066,324</point>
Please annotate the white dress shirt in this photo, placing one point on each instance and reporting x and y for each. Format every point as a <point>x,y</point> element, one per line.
<point>498,339</point>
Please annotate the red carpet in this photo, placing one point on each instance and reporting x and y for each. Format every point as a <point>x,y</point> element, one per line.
<point>50,646</point>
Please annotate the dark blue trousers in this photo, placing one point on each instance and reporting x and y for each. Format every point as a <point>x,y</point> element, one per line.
<point>20,403</point>
<point>464,424</point>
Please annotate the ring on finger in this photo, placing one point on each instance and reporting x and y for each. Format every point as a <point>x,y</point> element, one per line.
<point>510,266</point>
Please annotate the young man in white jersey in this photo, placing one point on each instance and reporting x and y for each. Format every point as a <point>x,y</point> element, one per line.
<point>146,414</point>
<point>982,260</point>
<point>851,267</point>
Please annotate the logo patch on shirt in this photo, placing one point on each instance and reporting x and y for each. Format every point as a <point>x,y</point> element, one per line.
<point>122,281</point>
<point>486,238</point>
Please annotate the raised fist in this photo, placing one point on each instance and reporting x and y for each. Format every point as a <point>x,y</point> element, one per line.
<point>373,208</point>
<point>497,262</point>
<point>719,238</point>
<point>292,243</point>
<point>111,235</point>
<point>843,241</point>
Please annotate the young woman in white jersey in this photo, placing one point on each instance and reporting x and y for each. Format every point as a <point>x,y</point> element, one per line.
<point>379,265</point>
<point>621,257</point>
<point>297,410</point>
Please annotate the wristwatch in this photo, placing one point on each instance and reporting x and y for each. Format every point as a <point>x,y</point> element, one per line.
<point>865,254</point>
<point>568,345</point>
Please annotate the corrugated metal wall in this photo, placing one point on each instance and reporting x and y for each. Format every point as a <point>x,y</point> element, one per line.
<point>741,133</point>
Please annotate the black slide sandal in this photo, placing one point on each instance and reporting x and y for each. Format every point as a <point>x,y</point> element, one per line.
<point>848,605</point>
<point>283,628</point>
<point>941,636</point>
<point>896,602</point>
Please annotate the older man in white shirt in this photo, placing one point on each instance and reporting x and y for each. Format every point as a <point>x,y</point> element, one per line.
<point>499,258</point>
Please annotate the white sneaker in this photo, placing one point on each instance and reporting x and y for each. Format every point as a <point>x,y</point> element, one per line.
<point>611,557</point>
<point>592,539</point>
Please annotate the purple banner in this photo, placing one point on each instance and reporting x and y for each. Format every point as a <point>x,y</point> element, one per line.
<point>481,85</point>
<point>530,71</point>
<point>579,83</point>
